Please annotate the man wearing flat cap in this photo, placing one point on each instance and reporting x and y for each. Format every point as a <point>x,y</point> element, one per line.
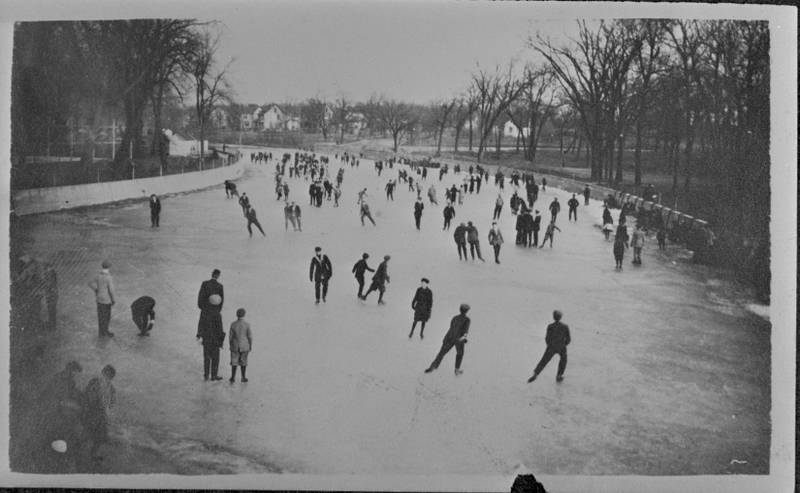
<point>103,287</point>
<point>421,304</point>
<point>456,336</point>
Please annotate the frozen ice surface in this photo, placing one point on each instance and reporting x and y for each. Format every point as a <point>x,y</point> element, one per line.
<point>659,362</point>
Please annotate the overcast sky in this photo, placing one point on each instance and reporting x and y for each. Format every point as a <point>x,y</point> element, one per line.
<point>409,51</point>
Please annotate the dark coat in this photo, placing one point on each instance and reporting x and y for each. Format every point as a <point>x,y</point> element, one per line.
<point>557,337</point>
<point>459,327</point>
<point>607,219</point>
<point>155,205</point>
<point>449,212</point>
<point>209,327</point>
<point>527,222</point>
<point>460,234</point>
<point>143,306</point>
<point>418,206</point>
<point>381,275</point>
<point>537,223</point>
<point>422,304</point>
<point>320,270</point>
<point>360,267</point>
<point>573,203</point>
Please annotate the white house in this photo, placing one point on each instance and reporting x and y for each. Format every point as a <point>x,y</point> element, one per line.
<point>272,118</point>
<point>358,122</point>
<point>292,123</point>
<point>182,146</point>
<point>511,130</point>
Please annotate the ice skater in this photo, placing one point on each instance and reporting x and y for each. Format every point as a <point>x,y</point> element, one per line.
<point>456,336</point>
<point>496,240</point>
<point>586,193</point>
<point>379,280</point>
<point>155,210</point>
<point>251,220</point>
<point>460,236</point>
<point>498,207</point>
<point>637,242</point>
<point>320,272</point>
<point>422,305</point>
<point>244,202</point>
<point>98,397</point>
<point>366,213</point>
<point>359,269</point>
<point>548,234</point>
<point>557,340</point>
<point>210,299</point>
<point>573,208</point>
<point>144,314</point>
<point>555,208</point>
<point>474,241</point>
<point>449,213</point>
<point>240,341</point>
<point>103,287</point>
<point>418,207</point>
<point>619,251</point>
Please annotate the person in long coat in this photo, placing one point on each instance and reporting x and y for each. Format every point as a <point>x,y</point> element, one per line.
<point>155,210</point>
<point>422,305</point>
<point>619,251</point>
<point>359,269</point>
<point>379,280</point>
<point>320,272</point>
<point>209,327</point>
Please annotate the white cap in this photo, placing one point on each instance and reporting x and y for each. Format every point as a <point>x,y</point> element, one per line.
<point>59,446</point>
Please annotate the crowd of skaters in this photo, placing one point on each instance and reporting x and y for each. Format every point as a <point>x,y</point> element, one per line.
<point>316,170</point>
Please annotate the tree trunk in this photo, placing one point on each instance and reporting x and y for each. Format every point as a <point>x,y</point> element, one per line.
<point>675,157</point>
<point>620,149</point>
<point>470,133</point>
<point>688,162</point>
<point>499,141</point>
<point>637,156</point>
<point>580,144</point>
<point>458,135</point>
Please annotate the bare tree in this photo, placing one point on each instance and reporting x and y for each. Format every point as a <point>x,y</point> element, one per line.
<point>341,115</point>
<point>397,118</point>
<point>441,115</point>
<point>315,116</point>
<point>495,91</point>
<point>211,87</point>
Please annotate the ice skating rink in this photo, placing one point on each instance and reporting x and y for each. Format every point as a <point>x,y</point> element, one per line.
<point>668,373</point>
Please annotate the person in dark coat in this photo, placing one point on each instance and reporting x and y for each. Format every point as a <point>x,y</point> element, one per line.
<point>98,397</point>
<point>474,241</point>
<point>244,201</point>
<point>252,219</point>
<point>320,273</point>
<point>422,305</point>
<point>209,327</point>
<point>520,227</point>
<point>619,251</point>
<point>557,340</point>
<point>496,240</point>
<point>379,280</point>
<point>537,224</point>
<point>527,228</point>
<point>155,210</point>
<point>418,207</point>
<point>586,193</point>
<point>573,208</point>
<point>144,315</point>
<point>449,213</point>
<point>456,336</point>
<point>460,236</point>
<point>555,208</point>
<point>359,269</point>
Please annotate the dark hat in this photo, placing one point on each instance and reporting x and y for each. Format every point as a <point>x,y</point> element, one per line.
<point>215,273</point>
<point>464,308</point>
<point>537,212</point>
<point>240,312</point>
<point>365,256</point>
<point>386,257</point>
<point>106,264</point>
<point>317,249</point>
<point>425,280</point>
<point>109,371</point>
<point>556,315</point>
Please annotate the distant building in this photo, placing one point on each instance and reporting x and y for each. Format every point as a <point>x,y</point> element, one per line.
<point>358,122</point>
<point>272,118</point>
<point>219,118</point>
<point>292,123</point>
<point>511,130</point>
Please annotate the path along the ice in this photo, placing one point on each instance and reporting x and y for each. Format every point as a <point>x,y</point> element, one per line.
<point>668,372</point>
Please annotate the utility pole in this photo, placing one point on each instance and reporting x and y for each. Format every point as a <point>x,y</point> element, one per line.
<point>113,138</point>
